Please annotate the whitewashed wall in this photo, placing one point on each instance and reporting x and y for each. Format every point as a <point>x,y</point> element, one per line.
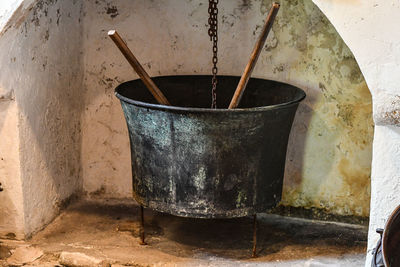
<point>59,70</point>
<point>11,207</point>
<point>329,156</point>
<point>369,28</point>
<point>11,198</point>
<point>7,8</point>
<point>41,85</point>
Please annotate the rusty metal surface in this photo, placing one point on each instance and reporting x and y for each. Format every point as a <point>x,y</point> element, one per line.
<point>190,160</point>
<point>391,239</point>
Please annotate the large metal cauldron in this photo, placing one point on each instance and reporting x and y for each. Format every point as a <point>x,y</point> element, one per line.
<point>190,160</point>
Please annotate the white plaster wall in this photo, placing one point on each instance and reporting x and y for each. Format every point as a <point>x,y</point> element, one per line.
<point>42,66</point>
<point>12,220</point>
<point>11,198</point>
<point>10,10</point>
<point>45,71</point>
<point>370,29</point>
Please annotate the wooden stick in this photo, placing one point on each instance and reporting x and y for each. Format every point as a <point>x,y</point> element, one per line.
<point>254,56</point>
<point>154,90</point>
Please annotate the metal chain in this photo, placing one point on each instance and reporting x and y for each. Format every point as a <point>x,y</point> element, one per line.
<point>213,33</point>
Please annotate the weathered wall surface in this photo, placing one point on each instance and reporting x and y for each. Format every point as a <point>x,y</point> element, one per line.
<point>52,55</point>
<point>11,198</point>
<point>7,9</point>
<point>42,66</point>
<point>329,157</point>
<point>375,42</point>
<point>328,163</point>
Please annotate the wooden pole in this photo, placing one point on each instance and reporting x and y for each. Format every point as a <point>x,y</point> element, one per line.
<point>154,90</point>
<point>254,56</point>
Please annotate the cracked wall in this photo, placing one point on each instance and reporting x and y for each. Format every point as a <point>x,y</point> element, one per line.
<point>42,72</point>
<point>329,155</point>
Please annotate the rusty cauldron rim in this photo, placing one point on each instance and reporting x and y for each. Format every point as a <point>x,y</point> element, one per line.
<point>298,99</point>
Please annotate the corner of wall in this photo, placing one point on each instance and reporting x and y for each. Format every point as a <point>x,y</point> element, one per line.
<point>41,59</point>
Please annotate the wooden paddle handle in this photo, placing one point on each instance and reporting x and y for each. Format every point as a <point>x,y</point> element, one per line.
<point>254,56</point>
<point>154,90</point>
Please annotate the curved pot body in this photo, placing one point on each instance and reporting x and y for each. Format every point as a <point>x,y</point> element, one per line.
<point>190,160</point>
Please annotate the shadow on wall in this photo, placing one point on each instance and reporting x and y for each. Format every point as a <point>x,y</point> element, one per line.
<point>46,72</point>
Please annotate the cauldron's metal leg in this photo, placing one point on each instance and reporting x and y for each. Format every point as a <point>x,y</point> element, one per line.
<point>254,255</point>
<point>142,233</point>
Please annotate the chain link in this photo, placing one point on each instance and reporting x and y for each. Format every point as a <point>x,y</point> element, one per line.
<point>213,33</point>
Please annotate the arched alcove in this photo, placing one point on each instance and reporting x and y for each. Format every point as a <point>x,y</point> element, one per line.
<point>375,41</point>
<point>62,69</point>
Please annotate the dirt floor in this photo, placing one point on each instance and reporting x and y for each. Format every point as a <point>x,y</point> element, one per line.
<point>106,233</point>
